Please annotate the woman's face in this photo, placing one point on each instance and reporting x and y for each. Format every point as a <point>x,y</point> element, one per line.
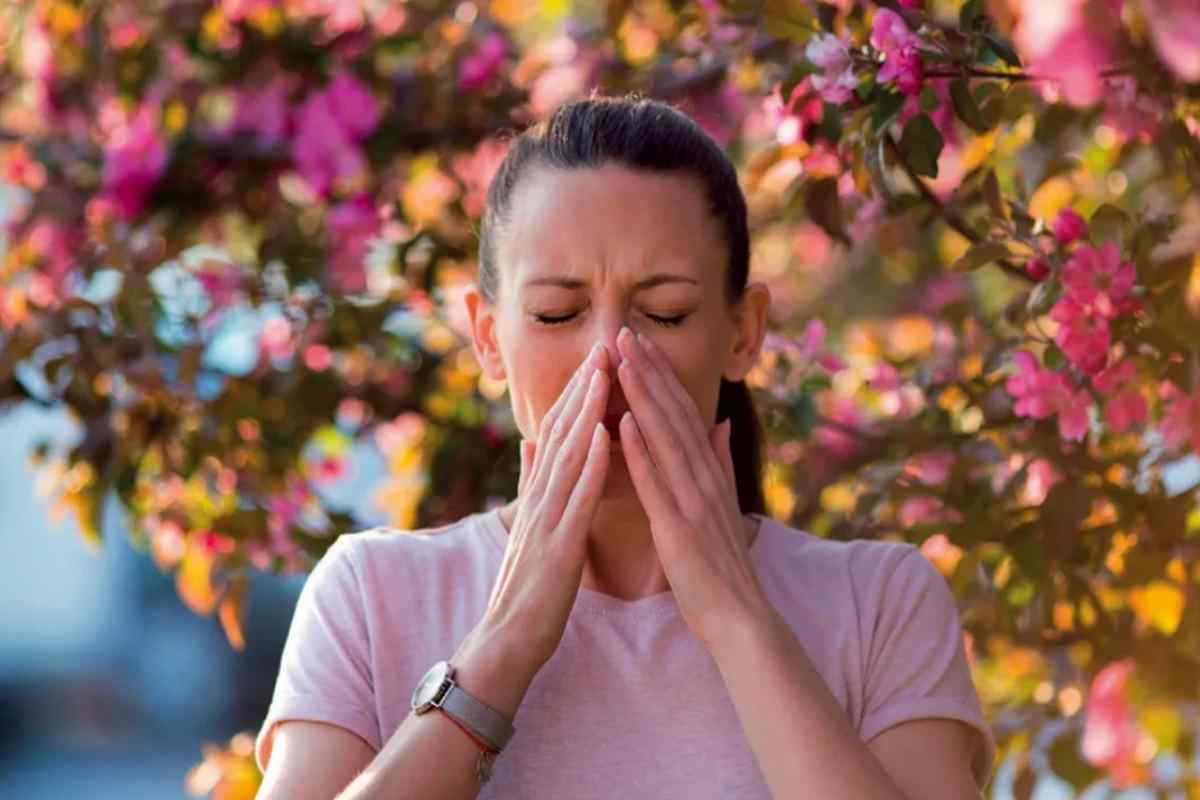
<point>589,250</point>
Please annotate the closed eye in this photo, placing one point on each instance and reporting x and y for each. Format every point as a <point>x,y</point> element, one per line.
<point>666,322</point>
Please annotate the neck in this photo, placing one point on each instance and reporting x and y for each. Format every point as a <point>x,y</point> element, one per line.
<point>621,558</point>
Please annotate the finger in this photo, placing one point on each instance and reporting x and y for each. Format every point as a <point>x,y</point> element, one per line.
<point>555,427</point>
<point>570,458</point>
<point>661,373</point>
<point>556,409</point>
<point>655,496</point>
<point>526,463</point>
<point>678,412</point>
<point>585,496</point>
<point>665,447</point>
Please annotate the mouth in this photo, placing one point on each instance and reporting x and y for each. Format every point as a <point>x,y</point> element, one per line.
<point>612,422</point>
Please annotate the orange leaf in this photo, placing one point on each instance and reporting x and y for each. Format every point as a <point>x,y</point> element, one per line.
<point>233,610</point>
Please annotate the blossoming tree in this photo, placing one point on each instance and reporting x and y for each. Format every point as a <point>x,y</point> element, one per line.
<point>239,231</point>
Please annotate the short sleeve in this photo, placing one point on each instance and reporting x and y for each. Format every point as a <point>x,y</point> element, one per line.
<point>915,664</point>
<point>325,672</point>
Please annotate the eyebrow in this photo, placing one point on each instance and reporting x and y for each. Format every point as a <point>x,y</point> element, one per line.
<point>645,283</point>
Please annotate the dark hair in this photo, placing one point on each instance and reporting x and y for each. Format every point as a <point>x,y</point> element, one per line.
<point>644,134</point>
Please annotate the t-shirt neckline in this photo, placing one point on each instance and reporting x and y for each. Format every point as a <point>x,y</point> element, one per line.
<point>594,602</point>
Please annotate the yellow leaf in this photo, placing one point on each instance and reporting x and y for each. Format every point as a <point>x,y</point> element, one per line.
<point>193,581</point>
<point>233,610</point>
<point>1051,197</point>
<point>1159,604</point>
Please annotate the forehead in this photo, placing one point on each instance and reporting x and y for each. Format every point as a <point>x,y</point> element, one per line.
<point>613,218</point>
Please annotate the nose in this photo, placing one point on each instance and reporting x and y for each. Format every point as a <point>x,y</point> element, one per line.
<point>607,340</point>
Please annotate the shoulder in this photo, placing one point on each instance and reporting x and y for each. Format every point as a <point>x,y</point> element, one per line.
<point>385,547</point>
<point>866,562</point>
<point>394,568</point>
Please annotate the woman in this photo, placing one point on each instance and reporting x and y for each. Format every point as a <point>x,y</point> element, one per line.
<point>633,619</point>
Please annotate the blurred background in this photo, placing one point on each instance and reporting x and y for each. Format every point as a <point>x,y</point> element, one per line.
<point>235,236</point>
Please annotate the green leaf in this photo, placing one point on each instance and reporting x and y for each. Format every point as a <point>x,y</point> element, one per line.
<point>824,207</point>
<point>965,106</point>
<point>1109,224</point>
<point>921,145</point>
<point>993,196</point>
<point>970,14</point>
<point>1003,50</point>
<point>978,255</point>
<point>794,76</point>
<point>929,99</point>
<point>831,122</point>
<point>1068,763</point>
<point>789,20</point>
<point>887,105</point>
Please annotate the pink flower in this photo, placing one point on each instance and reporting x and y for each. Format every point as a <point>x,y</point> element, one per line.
<point>1068,41</point>
<point>1037,268</point>
<point>57,247</point>
<point>221,284</point>
<point>720,111</point>
<point>1111,732</point>
<point>1126,405</point>
<point>1041,393</point>
<point>849,414</point>
<point>930,468</point>
<point>1083,333</point>
<point>134,159</point>
<point>275,338</point>
<point>353,224</point>
<point>1040,479</point>
<point>1181,416</point>
<point>264,109</point>
<point>889,32</point>
<point>479,67</point>
<point>924,510</point>
<point>902,63</point>
<point>1175,31</point>
<point>1077,63</point>
<point>836,80</point>
<point>1130,114</point>
<point>476,171</point>
<point>329,124</point>
<point>1069,226</point>
<point>1098,277</point>
<point>353,104</point>
<point>236,10</point>
<point>791,120</point>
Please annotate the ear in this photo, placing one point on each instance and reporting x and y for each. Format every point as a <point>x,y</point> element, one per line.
<point>483,333</point>
<point>750,329</point>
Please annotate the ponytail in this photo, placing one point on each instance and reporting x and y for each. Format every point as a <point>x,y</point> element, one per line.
<point>745,444</point>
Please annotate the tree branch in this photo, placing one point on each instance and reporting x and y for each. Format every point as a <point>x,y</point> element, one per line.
<point>951,217</point>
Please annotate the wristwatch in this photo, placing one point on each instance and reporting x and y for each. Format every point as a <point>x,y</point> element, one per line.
<point>437,689</point>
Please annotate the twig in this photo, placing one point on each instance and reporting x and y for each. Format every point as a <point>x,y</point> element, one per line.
<point>951,217</point>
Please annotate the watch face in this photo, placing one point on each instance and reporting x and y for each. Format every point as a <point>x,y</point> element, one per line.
<point>427,689</point>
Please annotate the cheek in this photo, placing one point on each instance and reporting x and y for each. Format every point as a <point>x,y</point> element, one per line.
<point>534,387</point>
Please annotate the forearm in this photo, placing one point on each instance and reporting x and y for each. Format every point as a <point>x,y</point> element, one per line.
<point>429,757</point>
<point>803,742</point>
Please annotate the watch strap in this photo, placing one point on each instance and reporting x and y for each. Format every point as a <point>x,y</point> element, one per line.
<point>488,723</point>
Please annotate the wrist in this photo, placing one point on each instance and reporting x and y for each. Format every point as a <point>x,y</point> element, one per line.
<point>488,665</point>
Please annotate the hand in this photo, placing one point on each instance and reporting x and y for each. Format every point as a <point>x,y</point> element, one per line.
<point>683,473</point>
<point>562,477</point>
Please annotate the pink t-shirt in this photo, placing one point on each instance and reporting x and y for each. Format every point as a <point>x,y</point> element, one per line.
<point>631,704</point>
